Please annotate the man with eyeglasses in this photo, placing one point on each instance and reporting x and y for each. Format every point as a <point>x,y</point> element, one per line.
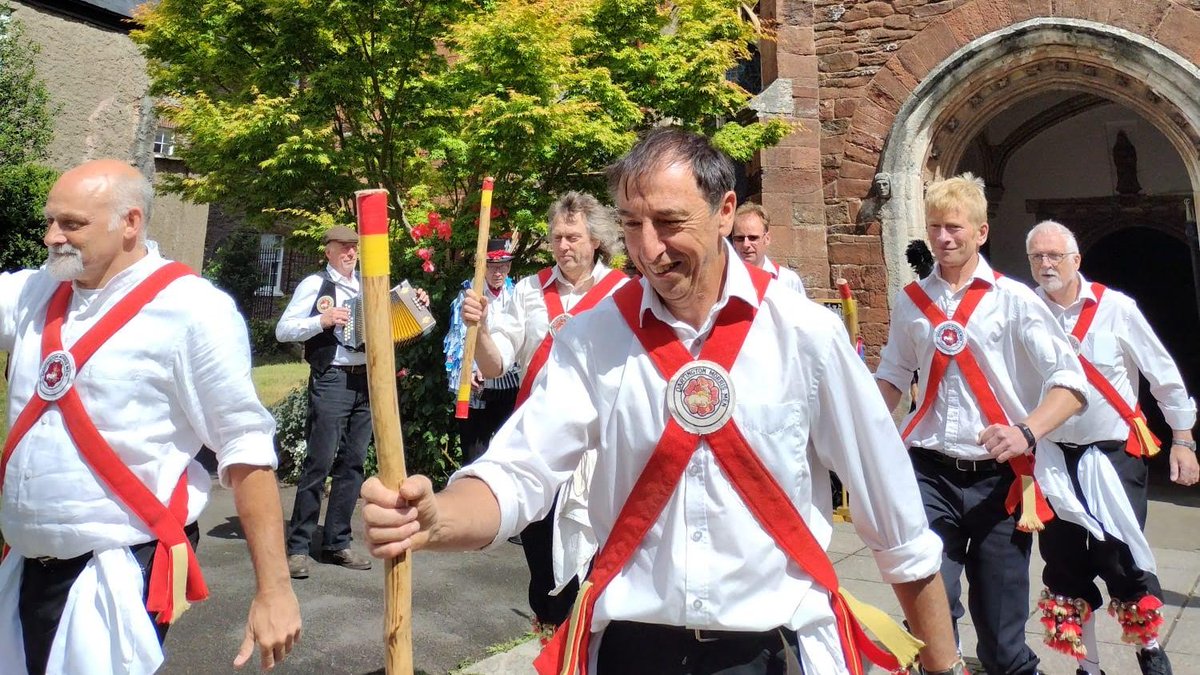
<point>1106,451</point>
<point>751,236</point>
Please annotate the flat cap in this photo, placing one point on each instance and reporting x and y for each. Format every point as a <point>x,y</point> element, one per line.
<point>340,233</point>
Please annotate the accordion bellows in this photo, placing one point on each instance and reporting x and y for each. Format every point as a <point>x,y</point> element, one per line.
<point>410,320</point>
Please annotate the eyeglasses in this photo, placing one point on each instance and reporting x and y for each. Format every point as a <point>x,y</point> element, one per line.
<point>752,238</point>
<point>1052,258</point>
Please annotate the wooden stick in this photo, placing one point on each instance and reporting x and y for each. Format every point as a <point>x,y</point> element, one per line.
<point>462,406</point>
<point>385,411</point>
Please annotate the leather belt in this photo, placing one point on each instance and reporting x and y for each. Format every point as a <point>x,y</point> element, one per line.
<point>706,635</point>
<point>964,465</point>
<point>360,369</point>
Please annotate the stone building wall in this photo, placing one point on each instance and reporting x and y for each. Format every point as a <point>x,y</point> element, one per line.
<point>97,79</point>
<point>850,67</point>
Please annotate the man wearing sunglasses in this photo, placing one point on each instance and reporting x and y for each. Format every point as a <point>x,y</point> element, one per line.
<point>751,236</point>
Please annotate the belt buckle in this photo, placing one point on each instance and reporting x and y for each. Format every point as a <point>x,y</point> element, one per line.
<point>960,464</point>
<point>45,560</point>
<point>699,635</point>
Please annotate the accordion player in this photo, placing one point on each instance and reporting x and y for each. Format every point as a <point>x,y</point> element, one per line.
<point>410,319</point>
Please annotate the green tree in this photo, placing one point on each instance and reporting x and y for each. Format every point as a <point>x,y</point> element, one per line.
<point>25,113</point>
<point>290,105</point>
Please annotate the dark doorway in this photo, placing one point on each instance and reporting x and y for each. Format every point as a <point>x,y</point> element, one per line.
<point>1155,269</point>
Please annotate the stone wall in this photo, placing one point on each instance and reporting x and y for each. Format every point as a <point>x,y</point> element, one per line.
<point>97,80</point>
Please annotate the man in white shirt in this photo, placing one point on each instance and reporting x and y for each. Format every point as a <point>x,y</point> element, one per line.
<point>123,365</point>
<point>713,526</point>
<point>1106,450</point>
<point>751,237</point>
<point>583,238</point>
<point>996,375</point>
<point>339,406</point>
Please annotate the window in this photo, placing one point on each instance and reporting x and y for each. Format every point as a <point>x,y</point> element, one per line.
<point>164,142</point>
<point>270,265</point>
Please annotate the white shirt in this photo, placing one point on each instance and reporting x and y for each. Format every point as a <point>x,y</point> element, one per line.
<point>296,324</point>
<point>1120,343</point>
<point>783,274</point>
<point>706,562</point>
<point>176,377</point>
<point>523,323</point>
<point>1018,344</point>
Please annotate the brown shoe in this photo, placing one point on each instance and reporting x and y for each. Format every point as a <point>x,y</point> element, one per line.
<point>346,558</point>
<point>298,566</point>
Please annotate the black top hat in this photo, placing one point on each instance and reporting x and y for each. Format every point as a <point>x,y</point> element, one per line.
<point>498,250</point>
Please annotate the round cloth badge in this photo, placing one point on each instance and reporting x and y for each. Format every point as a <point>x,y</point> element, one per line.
<point>1074,342</point>
<point>56,375</point>
<point>557,323</point>
<point>949,337</point>
<point>324,303</point>
<point>700,397</point>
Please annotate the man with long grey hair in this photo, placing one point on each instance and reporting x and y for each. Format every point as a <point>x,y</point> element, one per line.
<point>1106,451</point>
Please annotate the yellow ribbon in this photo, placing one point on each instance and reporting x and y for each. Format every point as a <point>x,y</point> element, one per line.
<point>179,574</point>
<point>901,643</point>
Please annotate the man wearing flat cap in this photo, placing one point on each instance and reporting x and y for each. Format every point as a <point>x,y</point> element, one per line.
<point>339,410</point>
<point>493,398</point>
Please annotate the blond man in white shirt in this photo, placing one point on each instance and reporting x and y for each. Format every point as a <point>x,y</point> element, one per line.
<point>1107,454</point>
<point>94,447</point>
<point>697,582</point>
<point>996,375</point>
<point>583,238</point>
<point>751,237</point>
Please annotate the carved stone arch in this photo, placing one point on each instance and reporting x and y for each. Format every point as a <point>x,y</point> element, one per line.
<point>932,128</point>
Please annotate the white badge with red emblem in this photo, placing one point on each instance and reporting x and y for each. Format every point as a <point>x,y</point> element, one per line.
<point>56,375</point>
<point>557,323</point>
<point>949,337</point>
<point>700,397</point>
<point>324,303</point>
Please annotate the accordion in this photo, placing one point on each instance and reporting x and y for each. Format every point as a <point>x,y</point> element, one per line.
<point>410,319</point>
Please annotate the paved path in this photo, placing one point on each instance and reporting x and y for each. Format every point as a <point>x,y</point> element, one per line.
<point>465,603</point>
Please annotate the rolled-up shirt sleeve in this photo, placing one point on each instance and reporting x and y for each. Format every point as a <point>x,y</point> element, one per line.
<point>507,330</point>
<point>853,434</point>
<point>898,359</point>
<point>540,446</point>
<point>214,385</point>
<point>1046,344</point>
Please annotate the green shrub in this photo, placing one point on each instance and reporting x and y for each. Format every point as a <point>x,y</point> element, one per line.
<point>234,268</point>
<point>290,442</point>
<point>23,190</point>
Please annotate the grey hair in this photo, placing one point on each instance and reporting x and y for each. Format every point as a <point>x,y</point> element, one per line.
<point>1053,227</point>
<point>666,146</point>
<point>129,192</point>
<point>601,223</point>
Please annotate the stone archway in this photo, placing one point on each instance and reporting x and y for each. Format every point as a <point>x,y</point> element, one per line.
<point>932,128</point>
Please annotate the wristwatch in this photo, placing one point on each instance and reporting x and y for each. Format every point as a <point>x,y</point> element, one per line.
<point>1030,440</point>
<point>959,668</point>
<point>1190,445</point>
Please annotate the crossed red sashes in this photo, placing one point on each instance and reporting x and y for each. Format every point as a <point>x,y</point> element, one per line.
<point>567,652</point>
<point>175,578</point>
<point>950,338</point>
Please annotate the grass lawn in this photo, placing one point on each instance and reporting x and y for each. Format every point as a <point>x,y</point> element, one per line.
<point>275,380</point>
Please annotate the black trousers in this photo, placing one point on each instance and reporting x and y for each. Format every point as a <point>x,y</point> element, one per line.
<point>43,595</point>
<point>475,432</point>
<point>537,541</point>
<point>339,430</point>
<point>631,648</point>
<point>1074,558</point>
<point>966,509</point>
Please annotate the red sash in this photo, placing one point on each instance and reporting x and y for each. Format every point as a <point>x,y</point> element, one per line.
<point>1141,442</point>
<point>567,652</point>
<point>1024,491</point>
<point>555,314</point>
<point>175,565</point>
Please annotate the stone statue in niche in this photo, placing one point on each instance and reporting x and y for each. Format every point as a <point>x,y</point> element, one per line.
<point>1125,160</point>
<point>881,191</point>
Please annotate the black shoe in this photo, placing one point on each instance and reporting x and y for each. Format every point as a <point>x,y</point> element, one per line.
<point>1081,671</point>
<point>1154,662</point>
<point>346,558</point>
<point>298,566</point>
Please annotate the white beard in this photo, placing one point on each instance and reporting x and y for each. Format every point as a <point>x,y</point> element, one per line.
<point>64,262</point>
<point>1051,284</point>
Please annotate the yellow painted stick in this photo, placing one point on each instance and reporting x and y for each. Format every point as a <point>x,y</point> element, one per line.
<point>462,406</point>
<point>385,412</point>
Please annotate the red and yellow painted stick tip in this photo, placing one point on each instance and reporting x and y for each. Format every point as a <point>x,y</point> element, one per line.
<point>373,232</point>
<point>488,183</point>
<point>462,409</point>
<point>843,289</point>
